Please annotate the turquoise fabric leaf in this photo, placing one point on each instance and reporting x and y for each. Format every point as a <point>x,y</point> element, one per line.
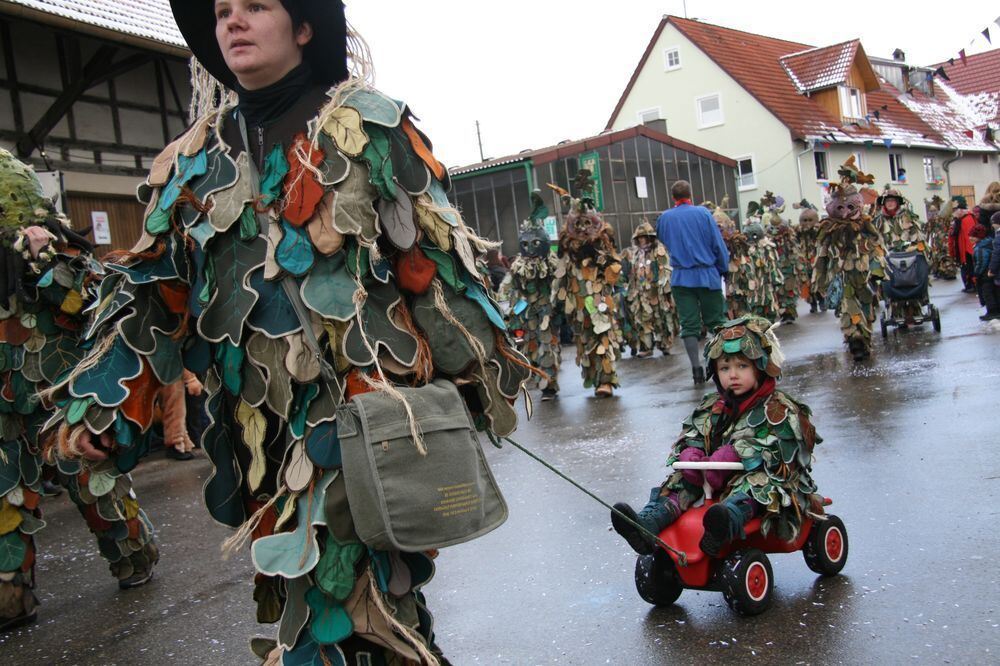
<point>105,380</point>
<point>46,280</point>
<point>308,653</point>
<point>476,292</point>
<point>275,169</point>
<point>273,313</point>
<point>330,622</point>
<point>300,409</point>
<point>329,288</point>
<point>323,445</point>
<point>296,553</point>
<point>186,169</point>
<point>295,251</point>
<point>440,200</point>
<point>158,222</point>
<point>230,358</point>
<point>375,107</point>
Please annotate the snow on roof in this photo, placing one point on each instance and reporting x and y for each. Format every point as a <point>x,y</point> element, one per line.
<point>818,68</point>
<point>148,19</point>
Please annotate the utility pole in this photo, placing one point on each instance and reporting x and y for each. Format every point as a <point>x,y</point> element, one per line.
<point>479,138</point>
<point>685,8</point>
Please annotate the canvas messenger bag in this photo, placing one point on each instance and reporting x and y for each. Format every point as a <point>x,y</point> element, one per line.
<point>401,499</point>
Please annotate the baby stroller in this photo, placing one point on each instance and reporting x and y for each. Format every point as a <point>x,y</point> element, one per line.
<point>905,291</point>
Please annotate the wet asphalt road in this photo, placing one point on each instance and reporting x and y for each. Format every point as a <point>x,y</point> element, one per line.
<point>911,459</point>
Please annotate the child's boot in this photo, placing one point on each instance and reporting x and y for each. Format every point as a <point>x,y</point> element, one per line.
<point>659,512</point>
<point>724,522</point>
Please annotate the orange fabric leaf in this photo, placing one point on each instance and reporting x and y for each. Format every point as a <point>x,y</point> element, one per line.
<point>175,295</point>
<point>133,528</point>
<point>29,553</point>
<point>8,389</point>
<point>302,191</point>
<point>356,385</point>
<point>138,406</point>
<point>266,525</point>
<point>13,333</point>
<point>30,499</point>
<point>423,150</point>
<point>94,520</point>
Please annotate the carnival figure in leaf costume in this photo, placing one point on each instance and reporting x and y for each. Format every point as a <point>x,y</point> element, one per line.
<point>902,231</point>
<point>767,276</point>
<point>47,280</point>
<point>791,262</point>
<point>747,420</point>
<point>850,258</point>
<point>649,305</point>
<point>299,250</point>
<point>808,233</point>
<point>742,277</point>
<point>588,270</point>
<point>528,289</point>
<point>942,264</point>
<point>726,223</point>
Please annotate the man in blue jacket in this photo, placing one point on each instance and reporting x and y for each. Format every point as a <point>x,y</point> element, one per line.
<point>699,259</point>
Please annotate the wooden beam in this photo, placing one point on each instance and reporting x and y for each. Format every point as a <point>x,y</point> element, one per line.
<point>64,78</point>
<point>92,99</point>
<point>163,103</point>
<point>122,66</point>
<point>116,121</point>
<point>83,144</point>
<point>8,56</point>
<point>97,65</point>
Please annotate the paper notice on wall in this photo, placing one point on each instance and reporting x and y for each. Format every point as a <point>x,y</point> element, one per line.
<point>101,227</point>
<point>640,187</point>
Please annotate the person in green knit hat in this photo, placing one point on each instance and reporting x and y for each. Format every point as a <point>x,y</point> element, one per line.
<point>47,279</point>
<point>748,420</point>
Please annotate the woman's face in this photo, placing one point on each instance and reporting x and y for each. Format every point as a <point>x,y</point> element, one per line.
<point>258,41</point>
<point>736,374</point>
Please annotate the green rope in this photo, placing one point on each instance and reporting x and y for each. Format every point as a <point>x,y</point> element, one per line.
<point>681,556</point>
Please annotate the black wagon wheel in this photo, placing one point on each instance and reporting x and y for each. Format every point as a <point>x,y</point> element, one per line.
<point>747,582</point>
<point>825,550</point>
<point>656,579</point>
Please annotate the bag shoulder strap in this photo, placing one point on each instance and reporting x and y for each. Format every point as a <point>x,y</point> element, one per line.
<point>288,283</point>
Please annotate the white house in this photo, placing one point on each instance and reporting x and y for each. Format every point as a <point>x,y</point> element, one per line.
<point>790,113</point>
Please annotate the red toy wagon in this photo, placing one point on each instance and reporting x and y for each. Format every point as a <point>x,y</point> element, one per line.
<point>742,572</point>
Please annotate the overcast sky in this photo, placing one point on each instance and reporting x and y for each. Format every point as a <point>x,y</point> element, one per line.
<point>535,72</point>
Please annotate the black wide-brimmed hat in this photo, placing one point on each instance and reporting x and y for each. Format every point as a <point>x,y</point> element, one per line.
<point>326,52</point>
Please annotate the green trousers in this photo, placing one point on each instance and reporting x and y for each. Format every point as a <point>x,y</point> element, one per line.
<point>698,307</point>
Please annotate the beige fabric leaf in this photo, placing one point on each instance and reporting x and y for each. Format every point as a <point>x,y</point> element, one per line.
<point>321,230</point>
<point>254,429</point>
<point>343,125</point>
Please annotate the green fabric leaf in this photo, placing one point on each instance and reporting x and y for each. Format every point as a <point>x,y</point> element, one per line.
<point>158,222</point>
<point>77,408</point>
<point>335,572</point>
<point>330,622</point>
<point>12,551</point>
<point>380,166</point>
<point>248,224</point>
<point>230,358</point>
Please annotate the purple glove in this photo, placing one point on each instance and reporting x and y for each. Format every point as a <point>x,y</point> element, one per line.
<point>692,454</point>
<point>717,478</point>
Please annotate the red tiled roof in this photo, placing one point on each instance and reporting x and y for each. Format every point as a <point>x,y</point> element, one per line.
<point>981,74</point>
<point>820,68</point>
<point>754,61</point>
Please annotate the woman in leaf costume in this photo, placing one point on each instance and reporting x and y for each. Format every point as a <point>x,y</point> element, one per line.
<point>808,232</point>
<point>299,250</point>
<point>47,279</point>
<point>532,317</point>
<point>649,304</point>
<point>588,270</point>
<point>746,420</point>
<point>790,260</point>
<point>851,258</point>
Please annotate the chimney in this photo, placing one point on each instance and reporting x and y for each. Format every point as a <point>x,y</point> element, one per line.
<point>898,55</point>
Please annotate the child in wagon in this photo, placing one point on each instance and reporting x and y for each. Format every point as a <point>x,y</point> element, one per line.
<point>746,420</point>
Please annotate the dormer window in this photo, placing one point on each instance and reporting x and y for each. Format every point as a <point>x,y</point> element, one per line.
<point>852,102</point>
<point>672,58</point>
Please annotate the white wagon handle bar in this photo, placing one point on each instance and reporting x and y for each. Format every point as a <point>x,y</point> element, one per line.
<point>709,464</point>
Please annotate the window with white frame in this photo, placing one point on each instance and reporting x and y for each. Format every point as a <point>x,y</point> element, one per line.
<point>744,169</point>
<point>709,110</point>
<point>672,58</point>
<point>931,173</point>
<point>648,115</point>
<point>820,160</point>
<point>897,172</point>
<point>852,102</point>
